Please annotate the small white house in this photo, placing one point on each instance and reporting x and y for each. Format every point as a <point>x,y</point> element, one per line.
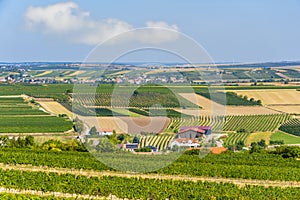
<point>104,132</point>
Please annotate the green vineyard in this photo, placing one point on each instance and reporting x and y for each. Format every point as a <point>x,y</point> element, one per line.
<point>234,138</point>
<point>250,123</point>
<point>292,126</point>
<point>161,142</point>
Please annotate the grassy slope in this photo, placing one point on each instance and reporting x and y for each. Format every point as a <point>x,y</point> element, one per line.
<point>287,138</point>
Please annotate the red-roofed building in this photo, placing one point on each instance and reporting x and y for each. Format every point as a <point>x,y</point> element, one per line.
<point>190,136</point>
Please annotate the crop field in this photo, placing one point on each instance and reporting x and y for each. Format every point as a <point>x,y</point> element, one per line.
<point>257,136</point>
<point>250,123</point>
<point>292,126</point>
<point>210,107</point>
<point>129,125</point>
<point>80,173</point>
<point>234,138</point>
<point>141,100</point>
<point>38,124</point>
<point>273,96</point>
<point>17,116</point>
<point>17,106</point>
<point>54,107</point>
<point>287,138</point>
<point>161,142</point>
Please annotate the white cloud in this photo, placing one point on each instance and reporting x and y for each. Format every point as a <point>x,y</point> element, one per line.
<point>67,20</point>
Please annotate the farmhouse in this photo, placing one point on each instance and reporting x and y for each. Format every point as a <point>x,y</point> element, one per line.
<point>190,136</point>
<point>193,132</point>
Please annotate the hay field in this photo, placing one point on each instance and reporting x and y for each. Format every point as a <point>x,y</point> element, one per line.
<point>55,107</point>
<point>130,125</point>
<point>257,136</point>
<point>273,96</point>
<point>211,108</point>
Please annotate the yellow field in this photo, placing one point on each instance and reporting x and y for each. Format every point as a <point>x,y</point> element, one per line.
<point>44,73</point>
<point>55,108</point>
<point>76,73</point>
<point>128,124</point>
<point>258,136</point>
<point>211,108</point>
<point>273,96</point>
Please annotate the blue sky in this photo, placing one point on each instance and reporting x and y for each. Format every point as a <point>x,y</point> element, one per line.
<point>233,30</point>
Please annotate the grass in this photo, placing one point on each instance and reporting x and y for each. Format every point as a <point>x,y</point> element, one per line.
<point>287,138</point>
<point>257,136</point>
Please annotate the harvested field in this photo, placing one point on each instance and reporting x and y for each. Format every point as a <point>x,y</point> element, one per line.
<point>128,124</point>
<point>54,107</point>
<point>291,109</point>
<point>273,96</point>
<point>211,108</point>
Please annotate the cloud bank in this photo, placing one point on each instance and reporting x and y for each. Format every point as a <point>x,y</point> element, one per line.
<point>68,20</point>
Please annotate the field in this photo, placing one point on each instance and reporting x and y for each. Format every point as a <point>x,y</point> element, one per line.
<point>287,138</point>
<point>234,138</point>
<point>128,124</point>
<point>273,97</point>
<point>162,142</point>
<point>211,108</point>
<point>257,136</point>
<point>54,107</point>
<point>230,176</point>
<point>18,116</point>
<point>292,126</point>
<point>250,123</point>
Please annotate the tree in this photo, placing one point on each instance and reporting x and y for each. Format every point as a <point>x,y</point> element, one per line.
<point>105,145</point>
<point>29,140</point>
<point>93,131</point>
<point>245,97</point>
<point>258,102</point>
<point>240,145</point>
<point>262,143</point>
<point>135,93</point>
<point>136,140</point>
<point>251,99</point>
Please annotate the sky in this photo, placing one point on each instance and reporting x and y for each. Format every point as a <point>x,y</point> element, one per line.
<point>228,31</point>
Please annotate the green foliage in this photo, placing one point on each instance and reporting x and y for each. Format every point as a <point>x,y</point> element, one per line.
<point>93,131</point>
<point>136,140</point>
<point>288,151</point>
<point>144,149</point>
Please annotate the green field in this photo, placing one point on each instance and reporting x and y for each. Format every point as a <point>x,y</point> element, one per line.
<point>287,138</point>
<point>17,116</point>
<point>38,124</point>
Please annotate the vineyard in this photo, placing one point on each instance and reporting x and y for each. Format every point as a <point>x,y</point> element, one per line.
<point>234,138</point>
<point>292,126</point>
<point>235,165</point>
<point>250,123</point>
<point>161,142</point>
<point>140,100</point>
<point>137,188</point>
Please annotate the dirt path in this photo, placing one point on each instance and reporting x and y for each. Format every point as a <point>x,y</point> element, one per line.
<point>90,173</point>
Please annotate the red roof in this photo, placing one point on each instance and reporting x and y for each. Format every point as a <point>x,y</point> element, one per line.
<point>192,128</point>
